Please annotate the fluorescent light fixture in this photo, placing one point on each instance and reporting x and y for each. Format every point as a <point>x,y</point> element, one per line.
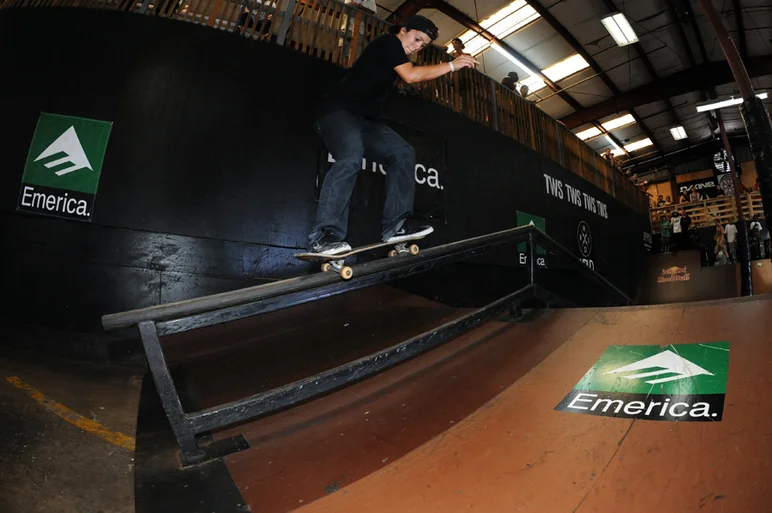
<point>726,103</point>
<point>512,59</point>
<point>590,132</point>
<point>637,145</point>
<point>611,124</point>
<point>678,133</point>
<point>557,71</point>
<point>501,24</point>
<point>620,29</point>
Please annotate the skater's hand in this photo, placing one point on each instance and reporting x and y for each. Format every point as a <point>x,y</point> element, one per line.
<point>464,61</point>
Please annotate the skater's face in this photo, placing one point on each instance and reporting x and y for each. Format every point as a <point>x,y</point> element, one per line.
<point>413,41</point>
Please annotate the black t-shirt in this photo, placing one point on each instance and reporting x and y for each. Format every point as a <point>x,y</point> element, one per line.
<point>364,88</point>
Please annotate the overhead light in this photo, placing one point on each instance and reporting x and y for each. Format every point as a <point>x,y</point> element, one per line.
<point>637,145</point>
<point>590,132</point>
<point>611,124</point>
<point>726,103</point>
<point>501,24</point>
<point>557,71</point>
<point>620,29</point>
<point>513,60</point>
<point>678,133</point>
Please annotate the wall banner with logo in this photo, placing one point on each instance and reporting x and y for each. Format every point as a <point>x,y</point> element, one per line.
<point>682,382</point>
<point>707,187</point>
<point>63,167</point>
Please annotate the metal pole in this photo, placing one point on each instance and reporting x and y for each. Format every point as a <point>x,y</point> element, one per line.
<point>495,106</point>
<point>532,257</point>
<point>746,281</point>
<point>730,51</point>
<point>755,115</point>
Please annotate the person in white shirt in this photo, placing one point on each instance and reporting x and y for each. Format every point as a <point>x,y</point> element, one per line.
<point>731,240</point>
<point>675,220</point>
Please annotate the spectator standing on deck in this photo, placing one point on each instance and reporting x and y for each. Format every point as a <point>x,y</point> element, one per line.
<point>755,233</point>
<point>458,48</point>
<point>731,239</point>
<point>720,248</point>
<point>686,223</point>
<point>675,220</point>
<point>349,122</point>
<point>665,228</point>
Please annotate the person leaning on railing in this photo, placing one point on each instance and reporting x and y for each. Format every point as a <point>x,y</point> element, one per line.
<point>349,123</point>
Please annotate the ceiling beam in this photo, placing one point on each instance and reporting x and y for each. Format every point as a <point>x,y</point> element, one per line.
<point>578,48</point>
<point>738,18</point>
<point>649,68</point>
<point>704,149</point>
<point>406,9</point>
<point>708,74</point>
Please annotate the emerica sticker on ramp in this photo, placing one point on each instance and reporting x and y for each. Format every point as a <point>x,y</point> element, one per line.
<point>685,382</point>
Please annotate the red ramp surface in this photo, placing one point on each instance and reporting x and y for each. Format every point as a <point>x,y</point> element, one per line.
<point>517,453</point>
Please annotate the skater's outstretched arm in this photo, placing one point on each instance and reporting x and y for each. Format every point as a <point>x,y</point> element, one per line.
<point>412,74</point>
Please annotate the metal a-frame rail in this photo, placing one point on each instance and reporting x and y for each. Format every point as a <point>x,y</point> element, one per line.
<point>156,321</point>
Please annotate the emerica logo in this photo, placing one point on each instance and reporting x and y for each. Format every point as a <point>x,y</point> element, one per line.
<point>684,382</point>
<point>63,166</point>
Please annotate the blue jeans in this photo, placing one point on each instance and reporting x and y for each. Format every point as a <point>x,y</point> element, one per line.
<point>349,137</point>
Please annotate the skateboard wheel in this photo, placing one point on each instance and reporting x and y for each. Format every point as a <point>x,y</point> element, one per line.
<point>393,253</point>
<point>325,267</point>
<point>346,273</point>
<point>413,249</point>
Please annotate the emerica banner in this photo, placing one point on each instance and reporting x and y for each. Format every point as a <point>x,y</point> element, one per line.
<point>63,166</point>
<point>685,382</point>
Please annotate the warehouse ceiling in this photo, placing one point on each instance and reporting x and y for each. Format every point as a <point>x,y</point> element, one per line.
<point>627,98</point>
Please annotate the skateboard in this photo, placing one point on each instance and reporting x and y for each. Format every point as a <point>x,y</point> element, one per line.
<point>335,262</point>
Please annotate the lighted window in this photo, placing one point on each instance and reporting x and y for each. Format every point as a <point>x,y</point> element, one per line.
<point>611,124</point>
<point>557,72</point>
<point>637,145</point>
<point>501,24</point>
<point>590,132</point>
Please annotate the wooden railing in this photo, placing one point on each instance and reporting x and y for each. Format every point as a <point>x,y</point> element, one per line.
<point>337,33</point>
<point>705,213</point>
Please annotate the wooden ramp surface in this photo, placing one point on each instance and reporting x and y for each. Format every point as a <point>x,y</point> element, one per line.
<point>517,453</point>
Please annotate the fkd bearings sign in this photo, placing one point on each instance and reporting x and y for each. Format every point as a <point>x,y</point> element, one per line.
<point>584,243</point>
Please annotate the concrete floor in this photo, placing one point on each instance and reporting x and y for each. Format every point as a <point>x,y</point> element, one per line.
<point>66,435</point>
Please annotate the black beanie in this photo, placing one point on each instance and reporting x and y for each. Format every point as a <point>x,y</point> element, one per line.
<point>417,22</point>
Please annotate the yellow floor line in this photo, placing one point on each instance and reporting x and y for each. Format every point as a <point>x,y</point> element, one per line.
<point>73,418</point>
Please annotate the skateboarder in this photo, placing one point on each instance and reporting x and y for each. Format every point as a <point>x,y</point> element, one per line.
<point>349,123</point>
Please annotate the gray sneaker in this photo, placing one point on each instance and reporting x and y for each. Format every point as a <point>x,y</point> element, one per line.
<point>329,244</point>
<point>410,230</point>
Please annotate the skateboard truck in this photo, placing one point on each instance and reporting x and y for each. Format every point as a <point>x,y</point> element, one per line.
<point>345,271</point>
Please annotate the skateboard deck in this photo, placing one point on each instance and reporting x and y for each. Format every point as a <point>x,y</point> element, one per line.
<point>335,262</point>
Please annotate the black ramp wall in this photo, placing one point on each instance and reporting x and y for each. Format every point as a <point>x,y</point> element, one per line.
<point>210,175</point>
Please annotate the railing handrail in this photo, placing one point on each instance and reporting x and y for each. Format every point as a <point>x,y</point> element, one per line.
<point>484,99</point>
<point>711,209</point>
<point>410,265</point>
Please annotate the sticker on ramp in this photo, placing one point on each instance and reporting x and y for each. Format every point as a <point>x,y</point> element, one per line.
<point>678,383</point>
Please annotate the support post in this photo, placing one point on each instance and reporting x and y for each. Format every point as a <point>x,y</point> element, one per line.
<point>746,281</point>
<point>170,400</point>
<point>531,256</point>
<point>494,105</point>
<point>755,115</point>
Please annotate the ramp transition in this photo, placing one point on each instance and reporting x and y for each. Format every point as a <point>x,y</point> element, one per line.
<point>476,424</point>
